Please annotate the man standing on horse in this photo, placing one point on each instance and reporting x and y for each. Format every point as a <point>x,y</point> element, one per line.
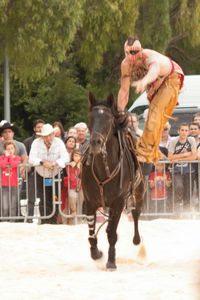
<point>162,78</point>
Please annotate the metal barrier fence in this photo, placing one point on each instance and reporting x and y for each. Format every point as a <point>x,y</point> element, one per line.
<point>172,190</point>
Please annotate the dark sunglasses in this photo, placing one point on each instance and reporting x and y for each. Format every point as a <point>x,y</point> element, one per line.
<point>134,52</point>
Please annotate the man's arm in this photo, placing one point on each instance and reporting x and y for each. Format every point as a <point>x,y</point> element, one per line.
<point>34,158</point>
<point>182,156</point>
<point>24,158</point>
<point>152,75</point>
<point>191,155</point>
<point>125,82</point>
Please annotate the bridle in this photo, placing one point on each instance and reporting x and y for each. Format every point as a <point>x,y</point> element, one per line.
<point>115,171</point>
<point>104,140</point>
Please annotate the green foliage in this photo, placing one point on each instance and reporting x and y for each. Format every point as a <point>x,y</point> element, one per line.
<point>153,25</point>
<point>188,22</point>
<point>184,46</point>
<point>106,25</point>
<point>61,49</point>
<point>36,34</point>
<point>57,98</point>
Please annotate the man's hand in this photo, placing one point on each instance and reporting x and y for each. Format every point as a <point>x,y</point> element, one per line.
<point>139,85</point>
<point>48,164</point>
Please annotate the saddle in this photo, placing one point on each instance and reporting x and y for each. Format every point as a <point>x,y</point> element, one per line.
<point>129,141</point>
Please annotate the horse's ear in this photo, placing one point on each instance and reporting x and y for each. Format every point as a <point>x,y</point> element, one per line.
<point>91,100</point>
<point>111,100</point>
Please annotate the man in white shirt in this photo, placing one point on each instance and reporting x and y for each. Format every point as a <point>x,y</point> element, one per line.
<point>49,155</point>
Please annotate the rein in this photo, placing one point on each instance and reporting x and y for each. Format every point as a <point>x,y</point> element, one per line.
<point>108,179</point>
<point>110,175</point>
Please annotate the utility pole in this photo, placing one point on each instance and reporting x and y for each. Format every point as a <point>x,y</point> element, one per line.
<point>6,90</point>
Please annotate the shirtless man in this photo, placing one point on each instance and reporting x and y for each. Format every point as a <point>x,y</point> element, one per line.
<point>162,79</point>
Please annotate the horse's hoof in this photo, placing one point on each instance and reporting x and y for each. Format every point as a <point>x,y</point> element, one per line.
<point>95,253</point>
<point>110,266</point>
<point>136,240</point>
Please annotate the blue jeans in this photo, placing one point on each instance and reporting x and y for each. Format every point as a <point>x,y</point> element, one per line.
<point>8,201</point>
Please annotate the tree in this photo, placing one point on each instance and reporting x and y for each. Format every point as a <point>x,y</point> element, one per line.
<point>184,45</point>
<point>99,43</point>
<point>153,24</point>
<point>54,98</point>
<point>36,35</point>
<point>61,49</point>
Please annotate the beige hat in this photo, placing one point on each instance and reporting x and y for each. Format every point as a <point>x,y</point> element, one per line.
<point>46,130</point>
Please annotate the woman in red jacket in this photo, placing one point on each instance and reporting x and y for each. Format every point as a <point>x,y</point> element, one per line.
<point>9,163</point>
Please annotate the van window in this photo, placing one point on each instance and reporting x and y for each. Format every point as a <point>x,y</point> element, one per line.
<point>140,109</point>
<point>181,115</point>
<point>184,116</point>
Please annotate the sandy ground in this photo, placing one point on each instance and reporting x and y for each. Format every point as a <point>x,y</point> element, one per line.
<point>53,262</point>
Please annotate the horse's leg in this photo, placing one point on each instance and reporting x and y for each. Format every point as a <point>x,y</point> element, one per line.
<point>91,220</point>
<point>139,192</point>
<point>136,213</point>
<point>112,238</point>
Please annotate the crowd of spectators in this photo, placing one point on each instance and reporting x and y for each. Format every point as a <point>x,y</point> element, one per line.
<point>43,157</point>
<point>52,151</point>
<point>179,158</point>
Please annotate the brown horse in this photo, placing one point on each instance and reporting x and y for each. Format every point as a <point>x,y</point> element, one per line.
<point>109,176</point>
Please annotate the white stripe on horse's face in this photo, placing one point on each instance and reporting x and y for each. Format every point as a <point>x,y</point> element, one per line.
<point>101,111</point>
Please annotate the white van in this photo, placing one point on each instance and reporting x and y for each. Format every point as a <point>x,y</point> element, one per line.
<point>189,104</point>
<point>189,96</point>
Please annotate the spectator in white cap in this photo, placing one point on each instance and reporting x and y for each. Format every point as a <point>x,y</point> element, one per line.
<point>82,139</point>
<point>49,155</point>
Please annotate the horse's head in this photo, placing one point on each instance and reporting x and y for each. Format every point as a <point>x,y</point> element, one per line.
<point>101,122</point>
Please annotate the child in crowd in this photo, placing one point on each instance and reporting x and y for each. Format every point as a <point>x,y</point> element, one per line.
<point>159,182</point>
<point>9,163</point>
<point>71,192</point>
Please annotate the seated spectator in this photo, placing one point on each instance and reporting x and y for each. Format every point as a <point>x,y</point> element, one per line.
<point>59,132</point>
<point>9,163</point>
<point>182,149</point>
<point>71,197</point>
<point>159,181</point>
